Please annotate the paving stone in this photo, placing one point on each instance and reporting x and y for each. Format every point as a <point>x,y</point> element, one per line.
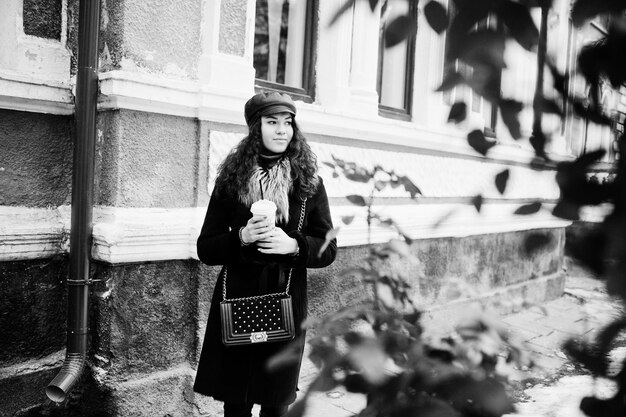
<point>543,336</point>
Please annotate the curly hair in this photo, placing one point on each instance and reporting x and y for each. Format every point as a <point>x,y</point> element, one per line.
<point>234,172</point>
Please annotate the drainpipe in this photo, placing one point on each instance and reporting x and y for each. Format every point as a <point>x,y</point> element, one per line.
<point>541,64</point>
<point>82,202</point>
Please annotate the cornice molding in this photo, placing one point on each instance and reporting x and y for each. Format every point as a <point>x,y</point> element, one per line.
<point>30,94</point>
<point>123,235</point>
<point>132,90</point>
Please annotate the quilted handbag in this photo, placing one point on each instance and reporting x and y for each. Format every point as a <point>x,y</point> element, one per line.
<point>261,318</point>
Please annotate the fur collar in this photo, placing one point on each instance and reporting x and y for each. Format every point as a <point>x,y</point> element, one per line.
<point>277,186</point>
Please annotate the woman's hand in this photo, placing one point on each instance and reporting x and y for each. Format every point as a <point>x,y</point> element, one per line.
<point>256,229</point>
<point>277,243</point>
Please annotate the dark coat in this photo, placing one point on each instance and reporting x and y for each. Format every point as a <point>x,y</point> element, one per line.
<point>238,374</point>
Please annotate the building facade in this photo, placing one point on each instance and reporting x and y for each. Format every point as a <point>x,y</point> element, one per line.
<point>173,79</point>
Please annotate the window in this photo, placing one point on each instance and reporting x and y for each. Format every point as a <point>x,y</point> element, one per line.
<point>475,103</point>
<point>284,46</point>
<point>42,18</point>
<point>396,64</point>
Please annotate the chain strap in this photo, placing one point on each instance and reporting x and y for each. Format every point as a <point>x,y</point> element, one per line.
<point>257,297</point>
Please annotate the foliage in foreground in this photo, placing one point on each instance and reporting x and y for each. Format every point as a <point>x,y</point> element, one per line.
<point>378,347</point>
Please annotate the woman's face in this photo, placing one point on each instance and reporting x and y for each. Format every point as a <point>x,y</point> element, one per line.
<point>277,131</point>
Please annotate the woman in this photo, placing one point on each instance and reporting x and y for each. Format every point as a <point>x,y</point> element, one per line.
<point>275,163</point>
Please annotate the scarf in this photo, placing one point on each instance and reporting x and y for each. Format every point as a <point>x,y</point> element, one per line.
<point>273,173</point>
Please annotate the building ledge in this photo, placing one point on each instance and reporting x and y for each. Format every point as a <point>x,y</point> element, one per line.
<point>123,235</point>
<point>23,93</point>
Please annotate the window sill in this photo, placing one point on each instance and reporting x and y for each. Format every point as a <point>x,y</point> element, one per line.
<point>392,113</point>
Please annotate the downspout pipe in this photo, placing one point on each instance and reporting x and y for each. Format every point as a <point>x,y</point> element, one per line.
<point>541,64</point>
<point>79,281</point>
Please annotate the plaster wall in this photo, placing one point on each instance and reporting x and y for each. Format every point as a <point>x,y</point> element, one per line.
<point>152,35</point>
<point>146,160</point>
<point>233,16</point>
<point>32,319</point>
<point>32,309</point>
<point>144,317</point>
<point>35,159</point>
<point>33,40</point>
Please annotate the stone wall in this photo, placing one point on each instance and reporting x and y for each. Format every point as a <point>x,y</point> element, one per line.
<point>148,319</point>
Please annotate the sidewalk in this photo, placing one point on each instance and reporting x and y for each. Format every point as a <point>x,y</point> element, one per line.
<point>557,386</point>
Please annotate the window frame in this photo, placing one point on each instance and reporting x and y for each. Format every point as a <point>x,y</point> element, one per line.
<point>307,92</point>
<point>409,73</point>
<point>489,129</point>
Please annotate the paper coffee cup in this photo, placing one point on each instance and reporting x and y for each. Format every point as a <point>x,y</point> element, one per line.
<point>265,208</point>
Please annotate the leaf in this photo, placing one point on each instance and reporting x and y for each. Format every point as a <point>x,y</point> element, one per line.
<point>550,106</point>
<point>330,235</point>
<point>356,383</point>
<point>357,175</point>
<point>357,200</point>
<point>450,80</point>
<point>566,210</point>
<point>444,218</point>
<point>411,188</point>
<point>346,6</point>
<point>436,16</point>
<point>485,81</point>
<point>400,247</point>
<point>610,407</point>
<point>340,162</point>
<point>399,29</point>
<point>534,242</point>
<point>347,219</point>
<point>509,110</point>
<point>530,208</point>
<point>284,358</point>
<point>538,142</point>
<point>373,4</point>
<point>591,113</point>
<point>484,47</point>
<point>589,247</point>
<point>469,14</point>
<point>589,158</point>
<point>458,112</point>
<point>329,164</point>
<point>477,202</point>
<point>380,185</point>
<point>384,293</point>
<point>615,283</point>
<point>520,23</point>
<point>609,333</point>
<point>501,180</point>
<point>587,355</point>
<point>412,317</point>
<point>560,80</point>
<point>476,140</point>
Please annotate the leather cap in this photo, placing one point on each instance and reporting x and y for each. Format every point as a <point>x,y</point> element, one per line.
<point>265,103</point>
